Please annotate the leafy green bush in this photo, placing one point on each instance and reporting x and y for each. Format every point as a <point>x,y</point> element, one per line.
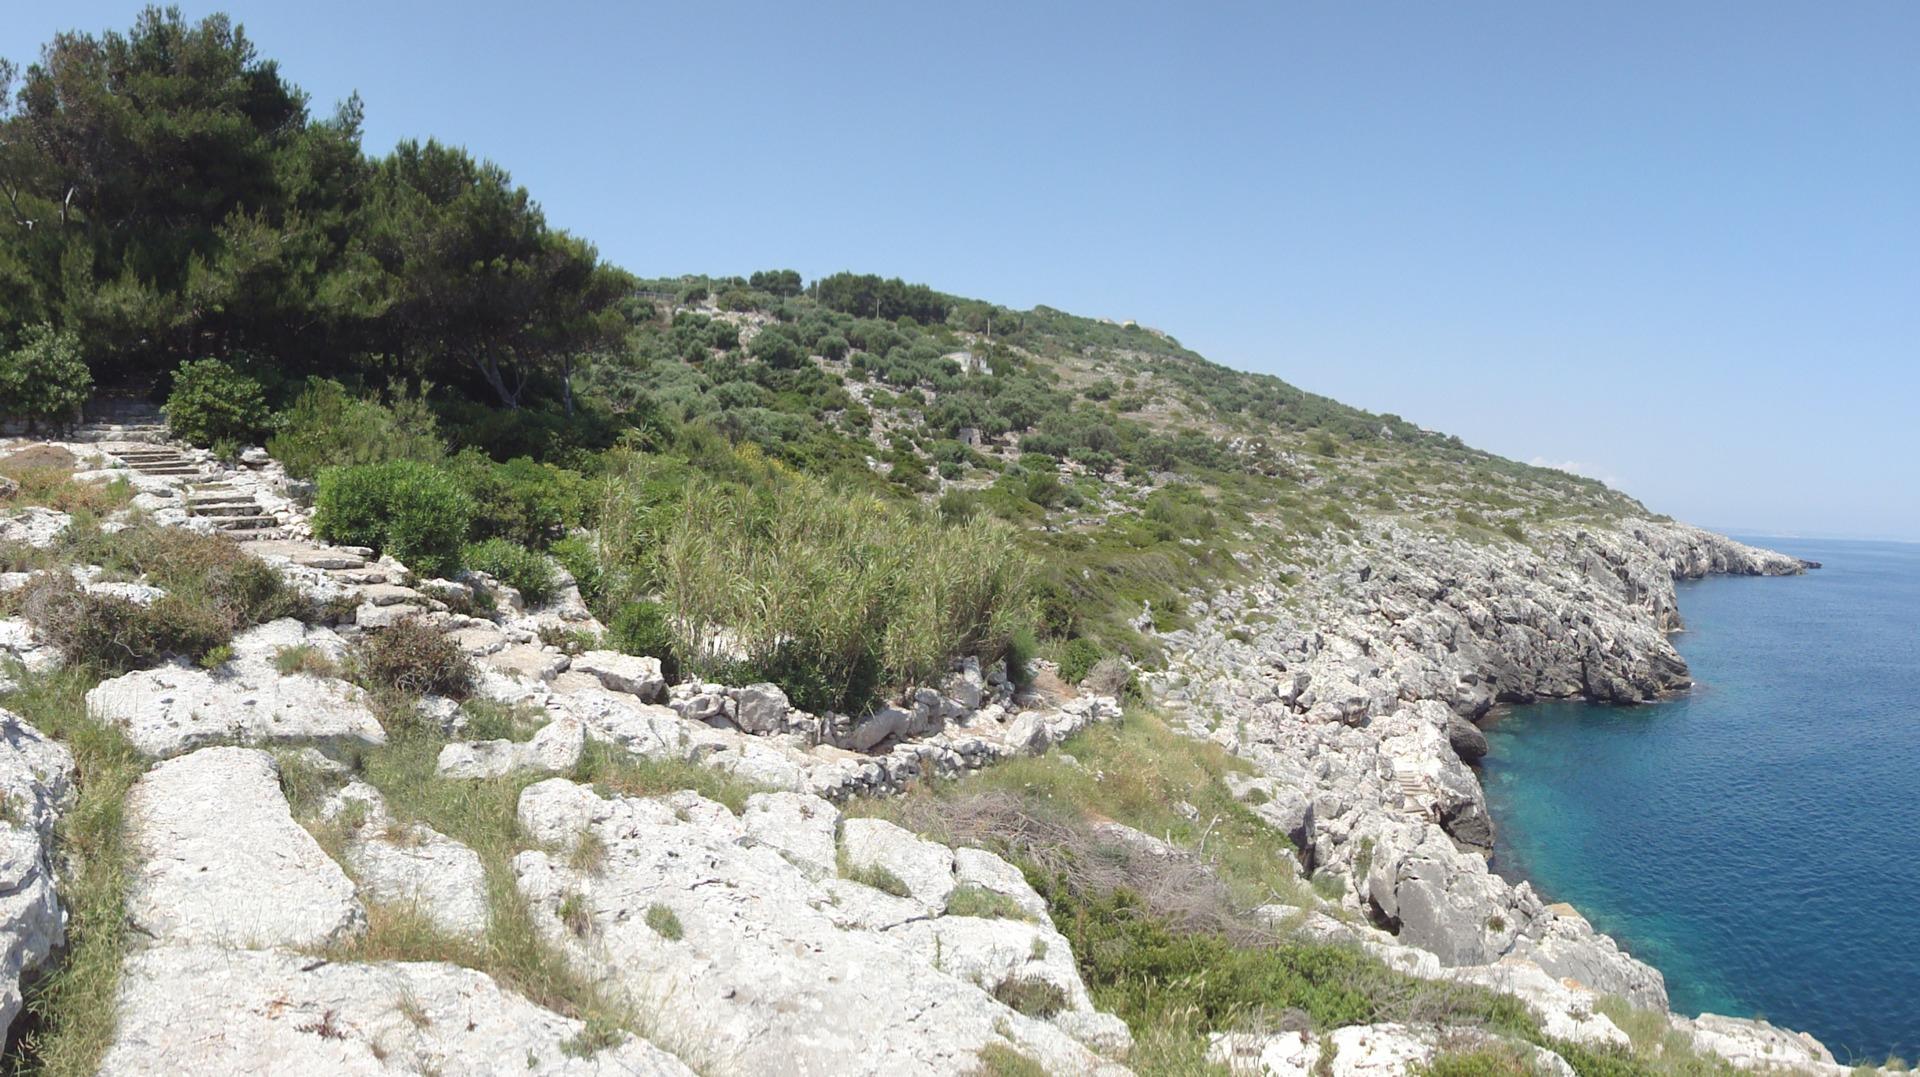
<point>43,380</point>
<point>521,501</point>
<point>577,555</point>
<point>643,628</point>
<point>1077,659</point>
<point>414,657</point>
<point>402,507</point>
<point>516,566</point>
<point>328,426</point>
<point>212,402</point>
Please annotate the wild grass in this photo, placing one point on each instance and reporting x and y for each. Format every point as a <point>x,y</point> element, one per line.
<point>70,1016</point>
<point>978,901</point>
<point>838,597</point>
<point>54,487</point>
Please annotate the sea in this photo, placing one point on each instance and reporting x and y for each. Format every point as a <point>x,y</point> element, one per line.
<point>1758,839</point>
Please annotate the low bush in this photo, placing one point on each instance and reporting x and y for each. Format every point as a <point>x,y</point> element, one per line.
<point>516,566</point>
<point>43,380</point>
<point>213,589</point>
<point>1031,995</point>
<point>1077,659</point>
<point>212,402</point>
<point>643,628</point>
<point>521,501</point>
<point>971,900</point>
<point>113,634</point>
<point>56,488</point>
<point>664,923</point>
<point>401,507</point>
<point>413,657</point>
<point>328,426</point>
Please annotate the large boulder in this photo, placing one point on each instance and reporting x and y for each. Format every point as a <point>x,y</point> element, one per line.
<point>36,785</point>
<point>633,674</point>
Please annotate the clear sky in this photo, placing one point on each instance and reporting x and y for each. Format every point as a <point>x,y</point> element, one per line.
<point>1674,245</point>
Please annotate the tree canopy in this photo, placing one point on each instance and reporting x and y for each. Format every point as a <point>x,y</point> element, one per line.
<point>169,195</point>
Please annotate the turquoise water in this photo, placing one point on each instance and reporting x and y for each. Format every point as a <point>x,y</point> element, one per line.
<point>1759,839</point>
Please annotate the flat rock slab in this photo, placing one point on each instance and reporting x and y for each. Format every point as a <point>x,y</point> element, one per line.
<point>762,973</point>
<point>220,859</point>
<point>206,1010</point>
<point>924,866</point>
<point>176,709</point>
<point>413,867</point>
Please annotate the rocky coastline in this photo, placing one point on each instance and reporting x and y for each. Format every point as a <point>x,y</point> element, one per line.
<point>1355,693</point>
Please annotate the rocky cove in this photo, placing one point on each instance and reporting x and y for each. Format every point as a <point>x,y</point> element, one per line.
<point>1354,694</point>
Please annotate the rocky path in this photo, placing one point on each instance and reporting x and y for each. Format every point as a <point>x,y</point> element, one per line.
<point>247,911</point>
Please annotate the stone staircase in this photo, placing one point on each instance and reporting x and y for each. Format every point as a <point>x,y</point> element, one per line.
<point>161,460</point>
<point>1417,794</point>
<point>233,512</point>
<point>125,419</point>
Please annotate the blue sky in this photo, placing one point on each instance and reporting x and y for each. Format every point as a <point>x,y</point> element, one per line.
<point>1676,246</point>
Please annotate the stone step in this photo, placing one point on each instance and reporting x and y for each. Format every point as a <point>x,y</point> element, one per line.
<point>244,523</point>
<point>225,510</point>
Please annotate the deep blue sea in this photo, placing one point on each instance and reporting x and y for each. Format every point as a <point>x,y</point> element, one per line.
<point>1759,839</point>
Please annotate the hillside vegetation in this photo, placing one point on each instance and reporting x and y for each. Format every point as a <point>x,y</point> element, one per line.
<point>471,387</point>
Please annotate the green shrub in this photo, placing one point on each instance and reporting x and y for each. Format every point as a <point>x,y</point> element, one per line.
<point>402,507</point>
<point>43,380</point>
<point>643,628</point>
<point>971,900</point>
<point>521,501</point>
<point>212,402</point>
<point>516,566</point>
<point>1021,649</point>
<point>413,657</point>
<point>1031,995</point>
<point>327,426</point>
<point>1077,659</point>
<point>665,923</point>
<point>577,555</point>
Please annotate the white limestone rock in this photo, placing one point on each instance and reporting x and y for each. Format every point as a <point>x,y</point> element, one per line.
<point>555,749</point>
<point>978,867</point>
<point>632,674</point>
<point>192,1009</point>
<point>799,826</point>
<point>33,526</point>
<point>761,708</point>
<point>176,709</point>
<point>924,866</point>
<point>220,860</point>
<point>1384,1050</point>
<point>746,975</point>
<point>36,785</point>
<point>410,866</point>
